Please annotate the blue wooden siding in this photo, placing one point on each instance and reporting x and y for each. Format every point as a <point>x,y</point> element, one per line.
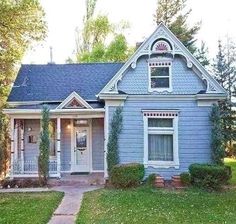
<point>194,133</point>
<point>184,80</point>
<point>98,144</point>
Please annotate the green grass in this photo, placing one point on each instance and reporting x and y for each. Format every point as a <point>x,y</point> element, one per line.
<point>28,208</point>
<point>145,205</point>
<point>232,163</point>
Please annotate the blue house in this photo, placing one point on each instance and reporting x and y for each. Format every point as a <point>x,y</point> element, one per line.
<point>166,97</point>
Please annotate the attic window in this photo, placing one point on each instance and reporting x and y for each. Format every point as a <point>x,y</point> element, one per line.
<point>74,104</point>
<point>160,76</point>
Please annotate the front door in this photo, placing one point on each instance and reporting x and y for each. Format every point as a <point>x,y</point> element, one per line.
<point>81,149</point>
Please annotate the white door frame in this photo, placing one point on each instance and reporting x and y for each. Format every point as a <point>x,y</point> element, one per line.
<point>89,145</point>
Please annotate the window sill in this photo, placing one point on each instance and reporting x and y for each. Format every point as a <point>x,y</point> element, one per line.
<point>161,164</point>
<point>159,89</point>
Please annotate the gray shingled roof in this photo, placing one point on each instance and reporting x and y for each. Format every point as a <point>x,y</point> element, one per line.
<point>54,82</point>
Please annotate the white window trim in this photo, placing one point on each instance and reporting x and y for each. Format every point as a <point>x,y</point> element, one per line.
<point>174,131</point>
<point>158,65</point>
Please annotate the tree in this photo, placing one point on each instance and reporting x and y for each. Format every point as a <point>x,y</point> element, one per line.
<point>112,145</point>
<point>44,147</point>
<point>224,70</point>
<point>98,37</point>
<point>202,55</point>
<point>217,137</point>
<point>171,13</point>
<point>21,24</point>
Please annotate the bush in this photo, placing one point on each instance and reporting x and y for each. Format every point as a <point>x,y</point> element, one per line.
<point>185,178</point>
<point>21,183</point>
<point>150,181</point>
<point>127,175</point>
<point>209,176</point>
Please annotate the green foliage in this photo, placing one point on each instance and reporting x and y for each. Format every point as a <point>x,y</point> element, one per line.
<point>150,181</point>
<point>21,24</point>
<point>116,51</point>
<point>224,70</point>
<point>100,40</point>
<point>185,178</point>
<point>217,136</point>
<point>112,145</point>
<point>232,163</point>
<point>171,13</point>
<point>201,55</point>
<point>127,175</point>
<point>44,147</point>
<point>4,140</point>
<point>210,177</point>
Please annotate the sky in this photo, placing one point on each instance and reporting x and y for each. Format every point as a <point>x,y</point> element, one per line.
<point>218,19</point>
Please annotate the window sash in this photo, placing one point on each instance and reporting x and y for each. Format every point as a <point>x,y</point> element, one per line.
<point>161,147</point>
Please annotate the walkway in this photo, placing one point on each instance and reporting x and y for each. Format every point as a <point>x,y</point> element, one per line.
<point>70,205</point>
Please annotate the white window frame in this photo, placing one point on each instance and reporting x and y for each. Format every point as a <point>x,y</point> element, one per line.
<point>160,64</point>
<point>161,130</point>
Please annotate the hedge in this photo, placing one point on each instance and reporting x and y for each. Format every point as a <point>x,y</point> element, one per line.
<point>209,176</point>
<point>127,175</point>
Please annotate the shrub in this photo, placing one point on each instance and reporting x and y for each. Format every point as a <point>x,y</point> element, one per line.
<point>127,175</point>
<point>185,178</point>
<point>151,180</point>
<point>209,176</point>
<point>112,145</point>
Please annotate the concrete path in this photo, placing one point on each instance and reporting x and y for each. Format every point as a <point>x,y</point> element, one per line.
<point>70,205</point>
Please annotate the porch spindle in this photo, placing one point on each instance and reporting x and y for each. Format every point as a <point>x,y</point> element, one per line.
<point>22,145</point>
<point>59,146</point>
<point>12,144</point>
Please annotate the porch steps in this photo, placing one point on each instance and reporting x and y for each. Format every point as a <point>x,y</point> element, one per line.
<point>93,179</point>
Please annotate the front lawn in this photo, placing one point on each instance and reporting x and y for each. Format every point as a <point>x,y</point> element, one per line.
<point>232,163</point>
<point>146,205</point>
<point>28,208</point>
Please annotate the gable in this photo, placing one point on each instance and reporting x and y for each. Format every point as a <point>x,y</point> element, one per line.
<point>74,101</point>
<point>163,43</point>
<point>184,79</point>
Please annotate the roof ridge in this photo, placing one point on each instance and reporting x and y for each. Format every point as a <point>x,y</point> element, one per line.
<point>85,63</point>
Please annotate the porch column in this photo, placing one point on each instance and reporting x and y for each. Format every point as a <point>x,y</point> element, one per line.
<point>59,146</point>
<point>106,127</point>
<point>22,145</point>
<point>12,121</point>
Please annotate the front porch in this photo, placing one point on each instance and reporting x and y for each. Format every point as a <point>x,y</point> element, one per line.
<point>76,145</point>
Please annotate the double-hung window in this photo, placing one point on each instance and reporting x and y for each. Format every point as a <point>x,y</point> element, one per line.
<point>161,139</point>
<point>160,76</point>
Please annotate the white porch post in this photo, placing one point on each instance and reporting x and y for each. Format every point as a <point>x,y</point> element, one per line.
<point>22,145</point>
<point>106,127</point>
<point>59,146</point>
<point>12,121</point>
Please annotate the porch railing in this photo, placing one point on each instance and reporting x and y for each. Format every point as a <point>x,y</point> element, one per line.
<point>31,167</point>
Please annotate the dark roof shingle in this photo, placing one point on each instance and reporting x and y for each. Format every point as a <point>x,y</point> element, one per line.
<point>54,82</point>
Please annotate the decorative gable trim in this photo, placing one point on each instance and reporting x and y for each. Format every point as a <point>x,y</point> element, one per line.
<point>163,41</point>
<point>74,101</point>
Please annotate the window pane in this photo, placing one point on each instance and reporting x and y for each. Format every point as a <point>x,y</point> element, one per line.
<point>160,147</point>
<point>159,71</point>
<point>160,122</point>
<point>159,82</point>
